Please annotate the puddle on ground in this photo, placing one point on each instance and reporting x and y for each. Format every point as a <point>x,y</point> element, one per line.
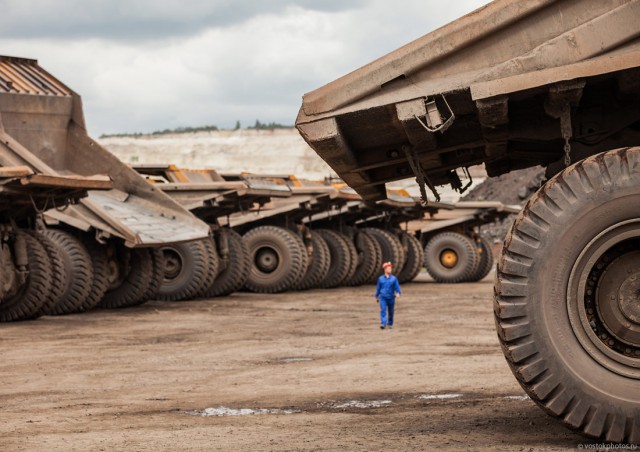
<point>439,396</point>
<point>517,397</point>
<point>361,404</point>
<point>295,359</point>
<point>226,411</point>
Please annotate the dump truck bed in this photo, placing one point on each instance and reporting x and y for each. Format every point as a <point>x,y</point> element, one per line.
<point>42,126</point>
<point>490,87</point>
<point>470,213</point>
<point>304,201</point>
<point>211,195</point>
<point>24,193</point>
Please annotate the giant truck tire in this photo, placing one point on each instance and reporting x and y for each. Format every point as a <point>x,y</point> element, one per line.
<point>414,259</point>
<point>27,303</point>
<point>157,262</point>
<point>185,270</point>
<point>566,296</point>
<point>486,259</point>
<point>367,259</point>
<point>390,247</point>
<point>78,266</point>
<point>319,262</point>
<point>59,274</point>
<point>214,266</point>
<point>340,258</point>
<point>450,257</point>
<point>100,282</point>
<point>377,249</point>
<point>234,276</point>
<point>277,259</point>
<point>133,275</point>
<point>353,254</point>
<point>304,256</point>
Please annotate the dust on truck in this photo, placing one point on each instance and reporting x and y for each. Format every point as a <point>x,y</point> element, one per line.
<point>512,85</point>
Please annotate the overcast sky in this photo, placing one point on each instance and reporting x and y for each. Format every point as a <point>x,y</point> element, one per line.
<point>143,65</point>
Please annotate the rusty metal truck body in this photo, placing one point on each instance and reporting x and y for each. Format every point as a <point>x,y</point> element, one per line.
<point>513,85</point>
<point>30,280</point>
<point>490,88</point>
<point>49,123</point>
<point>43,125</point>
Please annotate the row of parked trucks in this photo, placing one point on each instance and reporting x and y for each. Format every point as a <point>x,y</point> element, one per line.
<point>80,229</point>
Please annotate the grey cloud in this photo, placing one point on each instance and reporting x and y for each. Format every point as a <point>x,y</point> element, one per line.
<point>256,69</point>
<point>132,20</point>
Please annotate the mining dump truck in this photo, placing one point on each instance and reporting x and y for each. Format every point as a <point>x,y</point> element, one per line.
<point>284,253</point>
<point>512,85</point>
<point>211,198</point>
<point>454,249</point>
<point>109,239</point>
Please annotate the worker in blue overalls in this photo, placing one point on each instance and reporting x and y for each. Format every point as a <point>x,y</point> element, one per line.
<point>387,290</point>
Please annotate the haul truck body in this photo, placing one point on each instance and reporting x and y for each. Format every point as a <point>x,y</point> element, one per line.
<point>100,235</point>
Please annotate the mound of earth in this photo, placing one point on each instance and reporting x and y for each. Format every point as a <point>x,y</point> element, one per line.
<point>513,188</point>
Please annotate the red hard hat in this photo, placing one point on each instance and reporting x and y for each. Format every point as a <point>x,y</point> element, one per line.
<point>386,264</point>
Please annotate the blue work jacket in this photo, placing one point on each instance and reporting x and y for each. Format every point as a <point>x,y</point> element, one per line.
<point>387,287</point>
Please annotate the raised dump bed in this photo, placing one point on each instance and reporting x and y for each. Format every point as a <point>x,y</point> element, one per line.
<point>45,117</point>
<point>513,85</point>
<point>43,125</point>
<point>489,87</point>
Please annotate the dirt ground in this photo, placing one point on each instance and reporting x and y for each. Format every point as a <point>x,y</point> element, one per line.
<point>313,366</point>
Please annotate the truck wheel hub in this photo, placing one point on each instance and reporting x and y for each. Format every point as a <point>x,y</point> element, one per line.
<point>267,260</point>
<point>603,298</point>
<point>448,258</point>
<point>172,264</point>
<point>618,298</point>
<point>629,298</point>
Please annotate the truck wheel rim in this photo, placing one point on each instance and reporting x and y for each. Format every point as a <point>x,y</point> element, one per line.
<point>267,259</point>
<point>603,298</point>
<point>172,263</point>
<point>114,276</point>
<point>448,258</point>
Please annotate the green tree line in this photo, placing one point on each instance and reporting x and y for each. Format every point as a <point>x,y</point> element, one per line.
<point>210,128</point>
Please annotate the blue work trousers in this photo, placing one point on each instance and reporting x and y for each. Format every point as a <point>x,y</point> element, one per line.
<point>386,307</point>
